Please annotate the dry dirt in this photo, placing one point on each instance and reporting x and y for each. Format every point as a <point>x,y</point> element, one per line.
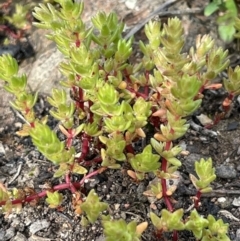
<point>22,165</point>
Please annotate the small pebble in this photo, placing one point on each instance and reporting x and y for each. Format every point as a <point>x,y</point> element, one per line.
<point>221,199</point>
<point>10,232</point>
<point>238,99</point>
<point>238,151</point>
<point>238,235</point>
<point>131,4</point>
<point>116,206</point>
<point>236,202</point>
<point>226,172</point>
<point>224,202</point>
<point>232,126</point>
<point>19,237</point>
<point>2,150</point>
<point>39,225</point>
<point>204,120</point>
<point>183,145</point>
<point>18,125</point>
<point>100,238</point>
<point>2,234</point>
<point>190,162</point>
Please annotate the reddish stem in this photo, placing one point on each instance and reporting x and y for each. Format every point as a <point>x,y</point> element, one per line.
<point>90,103</point>
<point>69,139</point>
<point>129,148</point>
<point>90,163</point>
<point>175,235</point>
<point>68,180</point>
<point>146,88</point>
<point>164,188</point>
<point>137,93</point>
<point>80,97</point>
<point>78,41</point>
<point>85,147</point>
<point>197,199</point>
<point>9,32</point>
<point>128,80</point>
<point>155,121</point>
<point>59,187</point>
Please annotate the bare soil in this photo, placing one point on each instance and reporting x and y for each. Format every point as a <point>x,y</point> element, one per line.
<point>21,165</point>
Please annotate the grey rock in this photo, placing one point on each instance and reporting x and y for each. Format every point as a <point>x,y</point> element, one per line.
<point>224,202</point>
<point>100,238</point>
<point>39,225</point>
<point>2,234</point>
<point>236,202</point>
<point>226,172</point>
<point>7,116</point>
<point>204,119</point>
<point>189,163</point>
<point>237,235</point>
<point>140,189</point>
<point>2,150</point>
<point>44,73</point>
<point>9,234</point>
<point>19,237</point>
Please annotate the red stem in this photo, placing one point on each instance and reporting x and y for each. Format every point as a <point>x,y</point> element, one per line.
<point>85,147</point>
<point>197,199</point>
<point>137,93</point>
<point>68,180</point>
<point>146,88</point>
<point>90,163</point>
<point>164,189</point>
<point>128,80</point>
<point>69,139</point>
<point>129,148</point>
<point>78,41</point>
<point>175,235</point>
<point>61,186</point>
<point>90,103</point>
<point>11,33</point>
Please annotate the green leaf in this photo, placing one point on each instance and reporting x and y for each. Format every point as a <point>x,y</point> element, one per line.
<point>92,129</point>
<point>119,230</point>
<point>8,67</point>
<point>124,50</point>
<point>79,169</point>
<point>54,199</point>
<point>211,8</point>
<point>232,84</point>
<point>3,193</point>
<point>49,145</point>
<point>99,20</point>
<point>196,224</point>
<point>168,221</point>
<point>217,230</point>
<point>206,174</point>
<point>107,95</point>
<point>153,33</point>
<point>116,123</point>
<point>187,87</point>
<point>93,207</point>
<point>115,146</point>
<point>146,161</point>
<point>226,32</point>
